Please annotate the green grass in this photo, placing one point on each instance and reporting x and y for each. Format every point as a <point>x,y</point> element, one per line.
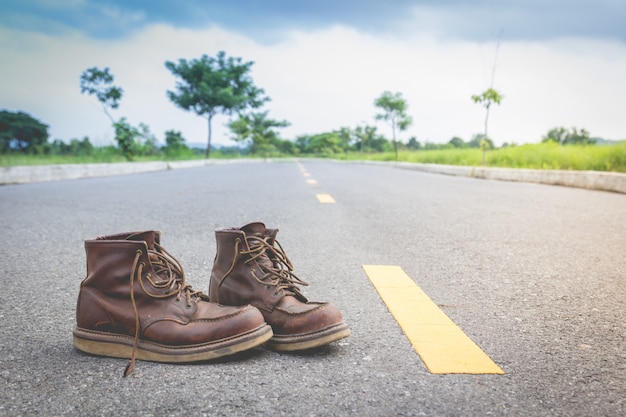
<point>20,159</point>
<point>533,156</point>
<point>100,156</point>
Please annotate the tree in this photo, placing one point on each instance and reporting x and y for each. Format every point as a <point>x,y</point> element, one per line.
<point>95,81</point>
<point>257,128</point>
<point>126,137</point>
<point>556,134</point>
<point>364,135</point>
<point>80,147</point>
<point>75,147</point>
<point>302,143</point>
<point>477,140</point>
<point>286,146</point>
<point>486,99</point>
<point>394,112</point>
<point>378,143</point>
<point>175,144</point>
<point>457,142</point>
<point>327,143</point>
<point>562,136</point>
<point>483,142</point>
<point>174,139</point>
<point>347,136</point>
<point>413,144</point>
<point>147,142</point>
<point>21,131</point>
<point>210,86</point>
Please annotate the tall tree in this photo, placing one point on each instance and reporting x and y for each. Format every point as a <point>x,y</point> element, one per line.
<point>95,81</point>
<point>394,112</point>
<point>490,95</point>
<point>258,128</point>
<point>210,86</point>
<point>21,131</point>
<point>486,99</point>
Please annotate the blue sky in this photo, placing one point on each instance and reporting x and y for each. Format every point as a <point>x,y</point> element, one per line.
<point>523,19</point>
<point>560,63</point>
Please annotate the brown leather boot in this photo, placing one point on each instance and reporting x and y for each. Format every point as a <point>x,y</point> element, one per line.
<point>251,268</point>
<point>134,303</point>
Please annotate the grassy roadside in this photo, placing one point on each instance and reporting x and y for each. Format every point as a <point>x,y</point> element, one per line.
<point>533,156</point>
<point>96,158</point>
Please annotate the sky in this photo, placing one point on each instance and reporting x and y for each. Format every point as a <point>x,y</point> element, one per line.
<point>558,63</point>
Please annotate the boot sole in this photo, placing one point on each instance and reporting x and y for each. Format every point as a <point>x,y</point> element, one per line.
<point>306,341</point>
<point>121,346</point>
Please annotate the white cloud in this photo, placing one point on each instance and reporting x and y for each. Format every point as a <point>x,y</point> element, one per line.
<point>322,80</point>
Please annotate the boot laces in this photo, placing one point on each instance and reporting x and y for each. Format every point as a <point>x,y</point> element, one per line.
<point>168,280</point>
<point>276,267</point>
<point>170,276</point>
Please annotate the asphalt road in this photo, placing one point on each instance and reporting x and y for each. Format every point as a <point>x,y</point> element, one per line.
<point>534,274</point>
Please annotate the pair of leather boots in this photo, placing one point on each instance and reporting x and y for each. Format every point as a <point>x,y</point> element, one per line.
<point>134,302</point>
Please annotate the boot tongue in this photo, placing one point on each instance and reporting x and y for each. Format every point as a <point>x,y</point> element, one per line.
<point>259,230</point>
<point>255,229</point>
<point>150,237</point>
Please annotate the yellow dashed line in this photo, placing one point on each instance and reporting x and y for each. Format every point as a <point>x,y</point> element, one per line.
<point>322,198</point>
<point>442,345</point>
<point>325,198</point>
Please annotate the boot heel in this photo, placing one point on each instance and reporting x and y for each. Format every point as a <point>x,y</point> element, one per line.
<point>103,348</point>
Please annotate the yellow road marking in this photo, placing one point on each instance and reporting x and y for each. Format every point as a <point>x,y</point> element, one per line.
<point>325,198</point>
<point>312,181</point>
<point>442,345</point>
